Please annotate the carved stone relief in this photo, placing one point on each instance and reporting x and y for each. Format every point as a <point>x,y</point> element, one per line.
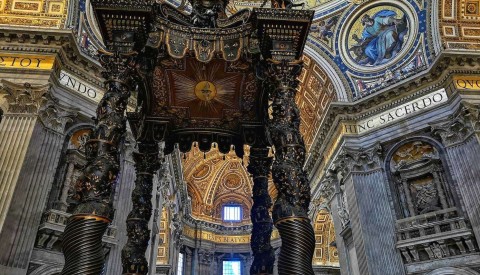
<point>358,160</point>
<point>420,179</point>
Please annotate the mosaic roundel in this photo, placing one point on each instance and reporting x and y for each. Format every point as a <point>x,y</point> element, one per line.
<point>232,181</point>
<point>379,35</point>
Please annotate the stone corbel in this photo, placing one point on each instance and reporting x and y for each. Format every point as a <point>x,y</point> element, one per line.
<point>456,129</point>
<point>360,160</point>
<point>24,98</point>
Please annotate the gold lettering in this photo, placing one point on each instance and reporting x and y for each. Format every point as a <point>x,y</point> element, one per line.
<point>24,61</point>
<point>467,82</point>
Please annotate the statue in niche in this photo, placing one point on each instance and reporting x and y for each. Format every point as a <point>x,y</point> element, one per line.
<point>437,250</point>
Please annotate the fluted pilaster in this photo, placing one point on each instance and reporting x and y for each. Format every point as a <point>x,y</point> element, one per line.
<point>31,138</point>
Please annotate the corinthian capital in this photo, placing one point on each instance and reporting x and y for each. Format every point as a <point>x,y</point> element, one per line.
<point>55,116</point>
<point>358,160</point>
<point>24,98</point>
<point>458,127</point>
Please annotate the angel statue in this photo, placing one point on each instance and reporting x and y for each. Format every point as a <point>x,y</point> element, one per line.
<point>205,13</point>
<point>382,38</point>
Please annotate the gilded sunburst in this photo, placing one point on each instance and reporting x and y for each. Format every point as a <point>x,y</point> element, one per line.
<point>206,89</point>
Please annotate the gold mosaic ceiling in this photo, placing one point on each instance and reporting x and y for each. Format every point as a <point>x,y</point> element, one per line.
<point>34,13</point>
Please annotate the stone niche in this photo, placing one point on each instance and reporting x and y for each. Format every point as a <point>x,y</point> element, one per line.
<point>430,226</point>
<point>420,179</point>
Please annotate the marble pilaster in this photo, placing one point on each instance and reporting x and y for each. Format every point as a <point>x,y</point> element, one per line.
<point>31,139</point>
<point>460,136</point>
<point>368,221</point>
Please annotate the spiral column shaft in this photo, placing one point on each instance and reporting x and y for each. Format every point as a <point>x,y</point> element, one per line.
<point>82,239</point>
<point>133,253</point>
<point>290,211</point>
<point>264,257</point>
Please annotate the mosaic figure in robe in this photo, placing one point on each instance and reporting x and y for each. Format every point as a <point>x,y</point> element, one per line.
<point>382,38</point>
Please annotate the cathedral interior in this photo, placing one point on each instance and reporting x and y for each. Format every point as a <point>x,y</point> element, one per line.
<point>236,137</point>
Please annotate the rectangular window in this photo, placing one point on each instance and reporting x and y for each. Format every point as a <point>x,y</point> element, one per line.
<point>180,264</point>
<point>232,268</point>
<point>232,213</point>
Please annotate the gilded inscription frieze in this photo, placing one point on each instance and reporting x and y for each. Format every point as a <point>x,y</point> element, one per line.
<point>221,238</point>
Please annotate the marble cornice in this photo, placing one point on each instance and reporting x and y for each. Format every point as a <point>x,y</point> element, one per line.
<point>439,76</point>
<point>62,43</point>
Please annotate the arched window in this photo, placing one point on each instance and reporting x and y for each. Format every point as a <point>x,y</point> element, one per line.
<point>232,213</point>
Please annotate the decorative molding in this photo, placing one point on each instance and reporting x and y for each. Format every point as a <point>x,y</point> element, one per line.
<point>458,127</point>
<point>24,98</point>
<point>55,116</point>
<point>437,77</point>
<point>328,185</point>
<point>362,160</point>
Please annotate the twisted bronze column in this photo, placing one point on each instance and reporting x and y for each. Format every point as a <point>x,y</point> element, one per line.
<point>133,253</point>
<point>82,239</point>
<point>264,257</point>
<point>291,207</point>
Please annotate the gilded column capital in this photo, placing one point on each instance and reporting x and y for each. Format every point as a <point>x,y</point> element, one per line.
<point>358,160</point>
<point>24,98</point>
